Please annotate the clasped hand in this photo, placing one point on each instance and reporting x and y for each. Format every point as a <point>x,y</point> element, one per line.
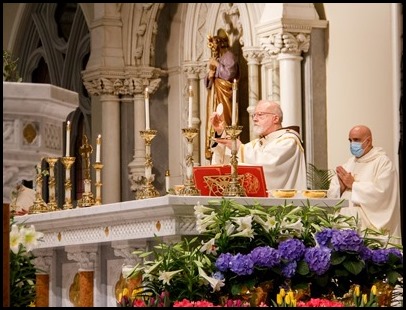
<point>345,178</point>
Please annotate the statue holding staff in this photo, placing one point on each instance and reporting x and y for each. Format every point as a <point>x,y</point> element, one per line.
<point>223,69</point>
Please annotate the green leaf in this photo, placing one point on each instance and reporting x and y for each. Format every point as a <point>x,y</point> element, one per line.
<point>302,268</point>
<point>354,267</point>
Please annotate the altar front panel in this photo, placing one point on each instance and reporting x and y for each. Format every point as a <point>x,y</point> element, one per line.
<point>102,238</point>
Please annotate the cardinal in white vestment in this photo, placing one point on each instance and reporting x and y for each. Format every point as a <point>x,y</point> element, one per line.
<point>370,182</point>
<point>279,150</point>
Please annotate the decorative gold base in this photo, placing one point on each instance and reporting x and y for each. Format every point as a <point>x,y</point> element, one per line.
<point>189,190</point>
<point>52,206</point>
<point>148,191</point>
<point>39,206</point>
<point>67,205</point>
<point>234,189</point>
<point>86,200</point>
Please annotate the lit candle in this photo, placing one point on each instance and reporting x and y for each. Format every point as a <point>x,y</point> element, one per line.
<point>167,181</point>
<point>234,106</point>
<point>98,146</point>
<point>190,106</point>
<point>67,139</point>
<point>146,109</point>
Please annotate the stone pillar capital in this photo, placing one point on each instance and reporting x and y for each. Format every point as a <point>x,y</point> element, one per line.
<point>253,55</point>
<point>43,260</point>
<point>194,70</point>
<point>294,43</point>
<point>84,256</point>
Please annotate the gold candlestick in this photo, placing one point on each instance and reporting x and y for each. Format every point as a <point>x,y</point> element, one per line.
<point>189,188</point>
<point>148,190</point>
<point>98,184</point>
<point>234,187</point>
<point>52,205</point>
<point>67,162</point>
<point>85,151</point>
<point>39,205</point>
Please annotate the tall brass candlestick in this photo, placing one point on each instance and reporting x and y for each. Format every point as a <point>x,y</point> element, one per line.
<point>98,184</point>
<point>189,188</point>
<point>39,205</point>
<point>52,205</point>
<point>85,151</point>
<point>67,162</point>
<point>234,188</point>
<point>148,190</point>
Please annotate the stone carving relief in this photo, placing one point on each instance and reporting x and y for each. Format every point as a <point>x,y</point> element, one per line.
<point>291,43</point>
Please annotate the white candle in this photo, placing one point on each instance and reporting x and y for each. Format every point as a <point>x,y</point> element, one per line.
<point>167,181</point>
<point>190,106</point>
<point>234,105</point>
<point>98,146</point>
<point>146,109</point>
<point>67,139</point>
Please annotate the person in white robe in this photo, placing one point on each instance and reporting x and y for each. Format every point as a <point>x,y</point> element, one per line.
<point>279,150</point>
<point>370,182</point>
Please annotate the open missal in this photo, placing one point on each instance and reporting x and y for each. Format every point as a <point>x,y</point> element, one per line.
<point>212,180</point>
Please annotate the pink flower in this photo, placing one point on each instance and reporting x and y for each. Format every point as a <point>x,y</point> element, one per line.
<point>319,302</point>
<point>183,303</point>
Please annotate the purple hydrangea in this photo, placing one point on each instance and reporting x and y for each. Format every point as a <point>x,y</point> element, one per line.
<point>242,264</point>
<point>223,262</point>
<point>318,259</point>
<point>365,253</point>
<point>289,269</point>
<point>291,249</point>
<point>265,256</point>
<point>346,240</point>
<point>323,237</point>
<point>395,252</point>
<point>380,256</point>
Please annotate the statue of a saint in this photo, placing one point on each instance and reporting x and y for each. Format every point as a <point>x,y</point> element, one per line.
<point>222,71</point>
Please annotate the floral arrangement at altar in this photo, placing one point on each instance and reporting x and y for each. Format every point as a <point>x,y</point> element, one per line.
<point>23,239</point>
<point>245,256</point>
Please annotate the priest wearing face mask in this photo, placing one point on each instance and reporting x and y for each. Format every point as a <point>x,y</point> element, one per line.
<point>370,182</point>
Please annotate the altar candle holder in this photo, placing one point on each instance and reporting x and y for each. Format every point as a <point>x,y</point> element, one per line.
<point>189,188</point>
<point>148,190</point>
<point>39,205</point>
<point>98,184</point>
<point>234,187</point>
<point>85,151</point>
<point>52,205</point>
<point>67,162</point>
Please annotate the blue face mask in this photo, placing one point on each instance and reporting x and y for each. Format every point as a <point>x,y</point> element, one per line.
<point>356,148</point>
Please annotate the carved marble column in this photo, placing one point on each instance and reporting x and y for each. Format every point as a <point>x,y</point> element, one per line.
<point>253,55</point>
<point>193,72</point>
<point>288,46</point>
<point>86,257</point>
<point>42,262</point>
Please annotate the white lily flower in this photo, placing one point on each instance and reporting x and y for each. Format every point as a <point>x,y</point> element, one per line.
<point>166,276</point>
<point>15,238</point>
<point>216,284</point>
<point>243,222</point>
<point>201,209</point>
<point>209,247</point>
<point>248,233</point>
<point>230,228</point>
<point>30,237</point>
<point>298,225</point>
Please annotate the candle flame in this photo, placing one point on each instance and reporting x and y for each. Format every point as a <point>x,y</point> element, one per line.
<point>68,125</point>
<point>99,139</point>
<point>146,93</point>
